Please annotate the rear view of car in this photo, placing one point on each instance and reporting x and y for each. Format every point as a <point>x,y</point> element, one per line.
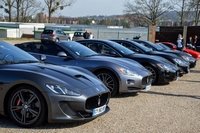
<point>54,35</point>
<point>78,35</point>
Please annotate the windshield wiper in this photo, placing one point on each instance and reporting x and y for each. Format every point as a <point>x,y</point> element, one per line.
<point>91,55</point>
<point>27,61</point>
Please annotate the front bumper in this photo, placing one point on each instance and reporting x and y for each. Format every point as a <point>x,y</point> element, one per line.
<point>81,108</point>
<point>130,84</point>
<point>168,76</point>
<point>192,63</point>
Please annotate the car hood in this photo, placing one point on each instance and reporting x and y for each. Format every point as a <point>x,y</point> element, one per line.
<point>123,62</point>
<point>150,57</point>
<point>80,79</point>
<point>162,54</point>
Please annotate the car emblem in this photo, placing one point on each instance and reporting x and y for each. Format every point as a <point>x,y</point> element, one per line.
<point>99,100</point>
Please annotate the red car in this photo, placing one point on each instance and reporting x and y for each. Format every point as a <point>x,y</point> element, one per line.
<point>194,53</point>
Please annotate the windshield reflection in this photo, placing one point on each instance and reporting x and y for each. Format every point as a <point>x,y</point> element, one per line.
<point>79,49</point>
<point>10,54</point>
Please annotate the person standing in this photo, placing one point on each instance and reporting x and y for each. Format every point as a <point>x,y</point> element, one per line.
<point>180,43</point>
<point>86,35</point>
<point>91,36</point>
<point>190,43</point>
<point>196,42</point>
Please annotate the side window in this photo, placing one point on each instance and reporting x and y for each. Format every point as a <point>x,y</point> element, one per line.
<point>50,49</point>
<point>29,47</point>
<point>104,49</point>
<point>58,32</point>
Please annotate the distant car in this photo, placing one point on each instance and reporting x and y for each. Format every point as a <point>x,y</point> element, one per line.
<point>163,70</point>
<point>55,35</point>
<point>183,65</point>
<point>119,75</point>
<point>194,53</point>
<point>78,35</point>
<point>33,92</point>
<point>185,56</point>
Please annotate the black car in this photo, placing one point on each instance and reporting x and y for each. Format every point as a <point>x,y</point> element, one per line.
<point>163,48</point>
<point>136,47</point>
<point>182,63</point>
<point>163,70</point>
<point>119,75</point>
<point>33,92</point>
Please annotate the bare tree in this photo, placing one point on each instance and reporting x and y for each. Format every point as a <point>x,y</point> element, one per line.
<point>7,6</point>
<point>183,8</point>
<point>29,9</point>
<point>54,5</point>
<point>196,8</point>
<point>146,11</point>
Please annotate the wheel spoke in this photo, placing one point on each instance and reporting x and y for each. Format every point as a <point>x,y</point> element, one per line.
<point>35,113</point>
<point>33,97</point>
<point>14,108</point>
<point>23,118</point>
<point>20,96</point>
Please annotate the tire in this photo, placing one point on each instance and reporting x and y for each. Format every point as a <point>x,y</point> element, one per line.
<point>154,73</point>
<point>109,80</point>
<point>57,40</point>
<point>26,107</point>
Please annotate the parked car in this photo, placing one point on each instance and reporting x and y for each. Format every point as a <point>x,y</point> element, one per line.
<point>118,75</point>
<point>185,56</point>
<point>55,35</point>
<point>33,92</point>
<point>172,46</point>
<point>163,71</point>
<point>183,65</point>
<point>78,35</point>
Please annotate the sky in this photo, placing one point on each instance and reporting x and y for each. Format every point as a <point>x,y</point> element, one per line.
<point>91,7</point>
<point>94,7</point>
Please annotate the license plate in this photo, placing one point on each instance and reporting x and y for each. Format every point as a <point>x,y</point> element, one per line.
<point>99,110</point>
<point>147,87</point>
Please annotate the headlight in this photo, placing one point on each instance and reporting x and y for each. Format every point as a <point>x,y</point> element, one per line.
<point>163,66</point>
<point>125,71</point>
<point>185,58</point>
<point>178,61</point>
<point>62,90</point>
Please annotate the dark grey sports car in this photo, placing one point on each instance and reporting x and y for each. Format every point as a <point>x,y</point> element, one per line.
<point>33,92</point>
<point>119,75</point>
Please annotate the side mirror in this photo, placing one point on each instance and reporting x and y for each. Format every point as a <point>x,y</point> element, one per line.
<point>62,54</point>
<point>42,57</point>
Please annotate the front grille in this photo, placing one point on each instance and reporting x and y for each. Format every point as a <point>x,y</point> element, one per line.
<point>97,101</point>
<point>147,80</point>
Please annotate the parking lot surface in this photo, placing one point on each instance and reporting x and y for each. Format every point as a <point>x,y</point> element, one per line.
<point>174,107</point>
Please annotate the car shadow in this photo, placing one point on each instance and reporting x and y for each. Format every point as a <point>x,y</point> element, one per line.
<point>6,122</point>
<point>195,81</point>
<point>122,95</point>
<point>170,95</point>
<point>194,71</point>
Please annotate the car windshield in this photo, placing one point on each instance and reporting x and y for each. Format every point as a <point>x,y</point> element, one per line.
<point>10,54</point>
<point>144,48</point>
<point>157,47</point>
<point>79,49</point>
<point>121,49</point>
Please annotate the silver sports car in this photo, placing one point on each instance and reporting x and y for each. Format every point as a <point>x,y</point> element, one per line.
<point>118,74</point>
<point>33,92</point>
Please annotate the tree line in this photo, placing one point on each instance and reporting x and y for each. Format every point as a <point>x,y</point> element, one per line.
<point>22,10</point>
<point>140,12</point>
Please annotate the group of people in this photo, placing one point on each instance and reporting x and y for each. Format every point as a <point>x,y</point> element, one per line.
<point>88,35</point>
<point>192,43</point>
